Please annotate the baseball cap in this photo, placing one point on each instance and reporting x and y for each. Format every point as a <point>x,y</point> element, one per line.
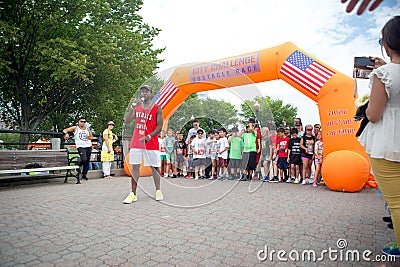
<point>146,87</point>
<point>110,123</point>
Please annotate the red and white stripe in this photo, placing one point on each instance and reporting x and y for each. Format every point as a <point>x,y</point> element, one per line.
<point>312,79</point>
<point>167,92</point>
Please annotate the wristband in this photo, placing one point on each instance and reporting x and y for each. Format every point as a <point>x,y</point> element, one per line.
<point>149,136</point>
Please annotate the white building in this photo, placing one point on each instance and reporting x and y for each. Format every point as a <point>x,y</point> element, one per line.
<point>202,95</point>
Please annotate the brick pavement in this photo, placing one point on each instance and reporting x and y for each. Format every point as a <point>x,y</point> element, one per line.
<point>200,223</point>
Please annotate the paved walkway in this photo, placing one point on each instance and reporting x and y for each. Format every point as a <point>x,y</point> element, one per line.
<point>200,223</point>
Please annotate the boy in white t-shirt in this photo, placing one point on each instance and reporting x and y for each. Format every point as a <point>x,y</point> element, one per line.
<point>199,154</point>
<point>223,153</point>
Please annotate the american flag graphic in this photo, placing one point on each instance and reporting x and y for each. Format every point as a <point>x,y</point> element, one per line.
<point>306,72</point>
<point>166,93</point>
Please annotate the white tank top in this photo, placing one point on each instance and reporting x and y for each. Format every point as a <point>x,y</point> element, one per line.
<point>81,138</point>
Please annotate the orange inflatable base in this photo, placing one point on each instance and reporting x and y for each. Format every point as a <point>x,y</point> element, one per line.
<point>371,183</point>
<point>345,171</point>
<point>144,170</point>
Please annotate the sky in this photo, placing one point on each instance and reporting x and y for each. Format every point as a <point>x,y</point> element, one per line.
<point>208,30</point>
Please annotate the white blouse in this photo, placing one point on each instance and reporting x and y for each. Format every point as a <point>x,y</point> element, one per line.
<point>382,139</point>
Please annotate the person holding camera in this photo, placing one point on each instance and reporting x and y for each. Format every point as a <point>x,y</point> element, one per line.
<point>379,136</point>
<point>83,141</point>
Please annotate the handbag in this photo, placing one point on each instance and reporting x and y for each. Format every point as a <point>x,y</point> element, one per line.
<point>360,115</point>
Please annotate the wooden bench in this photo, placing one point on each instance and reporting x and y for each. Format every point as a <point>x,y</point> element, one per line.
<point>13,164</point>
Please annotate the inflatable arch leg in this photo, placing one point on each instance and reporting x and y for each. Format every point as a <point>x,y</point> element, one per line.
<point>346,166</point>
<point>143,170</point>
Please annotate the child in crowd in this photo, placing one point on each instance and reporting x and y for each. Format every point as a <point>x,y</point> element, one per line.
<point>257,173</point>
<point>318,153</point>
<point>223,153</point>
<point>287,131</point>
<point>299,127</point>
<point>163,157</point>
<point>274,158</point>
<point>294,156</point>
<point>209,144</point>
<point>215,161</point>
<point>307,144</point>
<point>169,144</point>
<point>282,143</point>
<point>180,150</point>
<point>189,165</point>
<point>266,152</point>
<point>199,154</point>
<point>317,128</point>
<point>235,153</point>
<point>249,153</point>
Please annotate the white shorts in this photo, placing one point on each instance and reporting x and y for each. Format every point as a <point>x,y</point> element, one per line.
<point>151,157</point>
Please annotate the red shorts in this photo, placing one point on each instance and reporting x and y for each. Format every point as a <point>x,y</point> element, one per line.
<point>258,155</point>
<point>222,162</point>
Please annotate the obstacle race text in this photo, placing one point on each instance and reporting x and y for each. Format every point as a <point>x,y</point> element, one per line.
<point>226,68</point>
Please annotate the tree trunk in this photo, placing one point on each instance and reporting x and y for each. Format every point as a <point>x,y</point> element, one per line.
<point>23,139</point>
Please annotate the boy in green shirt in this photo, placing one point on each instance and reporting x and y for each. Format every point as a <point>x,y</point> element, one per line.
<point>249,153</point>
<point>235,153</point>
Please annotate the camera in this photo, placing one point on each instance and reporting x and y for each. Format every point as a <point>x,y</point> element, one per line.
<point>363,63</point>
<point>363,67</point>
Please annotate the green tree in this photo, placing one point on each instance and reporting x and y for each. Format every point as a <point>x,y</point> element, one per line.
<point>211,113</point>
<point>63,59</point>
<point>271,111</point>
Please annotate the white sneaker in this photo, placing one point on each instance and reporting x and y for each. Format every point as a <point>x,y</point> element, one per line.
<point>165,175</point>
<point>296,181</point>
<point>304,182</point>
<point>130,198</point>
<point>159,195</point>
<point>196,178</point>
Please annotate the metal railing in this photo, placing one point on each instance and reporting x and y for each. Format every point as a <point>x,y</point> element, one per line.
<point>56,141</point>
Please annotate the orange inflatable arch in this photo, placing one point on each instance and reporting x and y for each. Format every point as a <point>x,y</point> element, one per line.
<point>345,166</point>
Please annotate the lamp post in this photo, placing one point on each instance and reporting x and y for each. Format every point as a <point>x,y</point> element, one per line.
<point>257,109</point>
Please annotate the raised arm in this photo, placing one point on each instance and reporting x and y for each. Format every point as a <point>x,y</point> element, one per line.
<point>67,130</point>
<point>131,115</point>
